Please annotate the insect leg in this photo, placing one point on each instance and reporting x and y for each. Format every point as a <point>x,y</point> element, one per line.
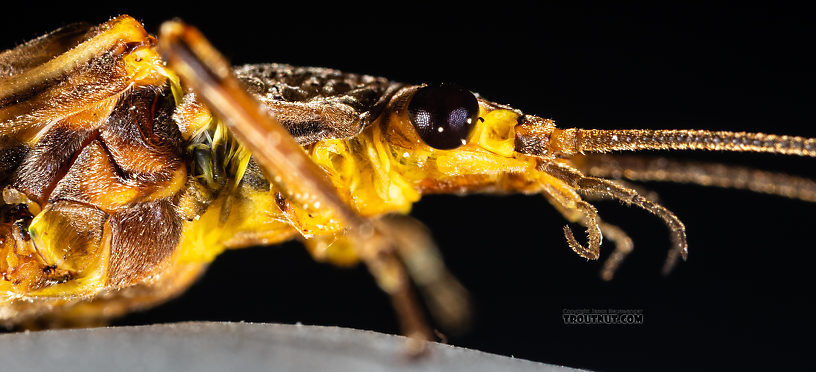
<point>646,168</point>
<point>642,168</point>
<point>623,243</point>
<point>576,210</point>
<point>446,298</point>
<point>286,164</point>
<point>623,246</point>
<point>606,188</point>
<point>646,192</point>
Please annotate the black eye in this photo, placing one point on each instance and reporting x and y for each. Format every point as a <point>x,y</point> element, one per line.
<point>443,115</point>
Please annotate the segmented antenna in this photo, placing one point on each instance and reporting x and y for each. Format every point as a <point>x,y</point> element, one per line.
<point>581,141</point>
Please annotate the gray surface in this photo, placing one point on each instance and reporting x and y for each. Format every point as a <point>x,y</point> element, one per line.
<point>201,346</point>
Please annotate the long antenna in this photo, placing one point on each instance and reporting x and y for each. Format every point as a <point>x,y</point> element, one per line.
<point>575,141</point>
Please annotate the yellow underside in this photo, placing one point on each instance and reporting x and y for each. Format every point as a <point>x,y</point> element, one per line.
<point>371,175</point>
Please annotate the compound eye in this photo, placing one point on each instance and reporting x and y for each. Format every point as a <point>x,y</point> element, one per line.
<point>443,115</point>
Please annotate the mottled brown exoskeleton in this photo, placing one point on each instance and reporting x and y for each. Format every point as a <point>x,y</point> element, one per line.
<point>127,164</point>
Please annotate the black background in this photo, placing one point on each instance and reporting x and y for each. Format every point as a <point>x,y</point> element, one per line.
<point>743,298</point>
